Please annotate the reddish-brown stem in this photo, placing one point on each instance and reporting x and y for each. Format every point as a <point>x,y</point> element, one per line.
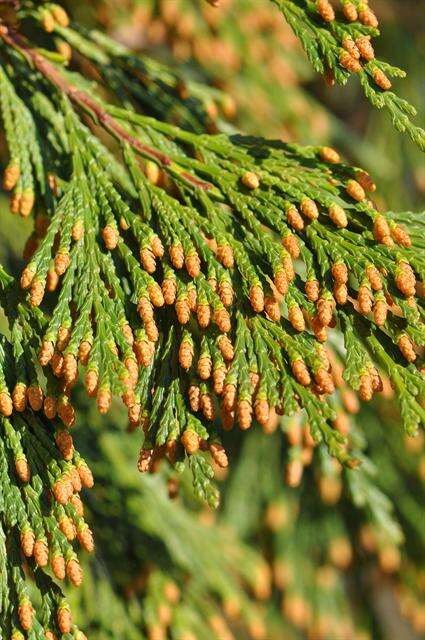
<point>86,102</point>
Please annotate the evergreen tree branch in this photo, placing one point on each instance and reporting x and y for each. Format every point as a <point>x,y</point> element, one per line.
<point>340,45</point>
